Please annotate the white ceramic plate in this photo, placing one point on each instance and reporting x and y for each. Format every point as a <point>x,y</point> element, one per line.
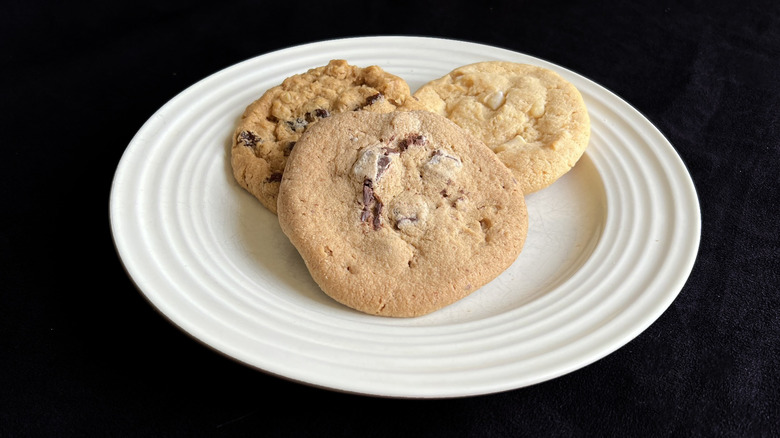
<point>610,245</point>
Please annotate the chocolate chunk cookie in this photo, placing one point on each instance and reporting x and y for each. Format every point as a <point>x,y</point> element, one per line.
<point>534,120</point>
<point>400,214</point>
<point>270,126</point>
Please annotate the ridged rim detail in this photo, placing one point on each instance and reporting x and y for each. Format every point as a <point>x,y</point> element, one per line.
<point>177,219</point>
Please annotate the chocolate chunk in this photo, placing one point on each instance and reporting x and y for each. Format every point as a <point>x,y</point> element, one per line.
<point>372,207</point>
<point>248,138</point>
<point>275,177</point>
<point>399,221</point>
<point>288,148</point>
<point>272,119</point>
<point>370,100</point>
<point>319,113</point>
<point>412,140</point>
<point>403,144</point>
<point>381,165</point>
<point>368,192</point>
<point>297,125</point>
<point>378,215</point>
<point>368,199</point>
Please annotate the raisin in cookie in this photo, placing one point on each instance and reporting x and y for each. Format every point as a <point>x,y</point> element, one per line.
<point>270,126</point>
<point>534,120</point>
<point>400,214</point>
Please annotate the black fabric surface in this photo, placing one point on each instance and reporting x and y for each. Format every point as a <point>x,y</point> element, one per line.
<point>82,353</point>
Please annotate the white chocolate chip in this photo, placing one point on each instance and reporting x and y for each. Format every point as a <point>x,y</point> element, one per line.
<point>494,100</point>
<point>537,109</point>
<point>517,142</point>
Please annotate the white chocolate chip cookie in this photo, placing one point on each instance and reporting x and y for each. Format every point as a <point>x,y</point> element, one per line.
<point>399,214</point>
<point>534,120</point>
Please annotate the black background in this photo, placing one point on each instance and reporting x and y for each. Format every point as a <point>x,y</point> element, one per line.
<point>83,354</point>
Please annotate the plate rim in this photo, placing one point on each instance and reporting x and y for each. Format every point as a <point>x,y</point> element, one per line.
<point>689,188</point>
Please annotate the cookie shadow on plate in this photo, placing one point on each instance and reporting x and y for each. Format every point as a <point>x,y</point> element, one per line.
<point>269,259</point>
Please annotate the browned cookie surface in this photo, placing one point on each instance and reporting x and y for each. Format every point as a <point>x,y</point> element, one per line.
<point>271,125</point>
